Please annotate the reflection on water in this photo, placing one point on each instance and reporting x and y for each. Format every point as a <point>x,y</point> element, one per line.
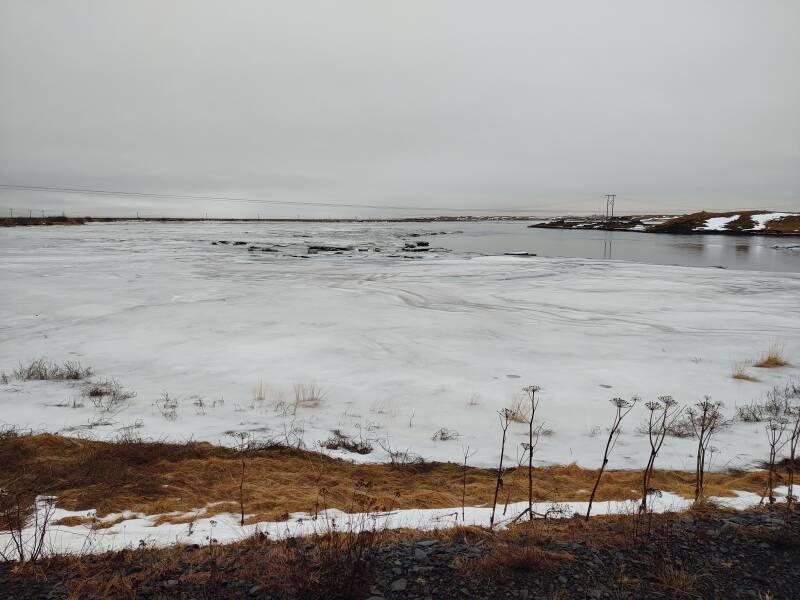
<point>607,248</point>
<point>730,252</point>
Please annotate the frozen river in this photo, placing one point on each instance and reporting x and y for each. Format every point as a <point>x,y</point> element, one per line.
<point>404,338</point>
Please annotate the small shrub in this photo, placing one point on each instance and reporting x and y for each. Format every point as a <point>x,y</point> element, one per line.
<point>445,435</point>
<point>293,434</point>
<point>108,395</point>
<point>681,428</point>
<point>73,370</point>
<point>777,402</point>
<point>772,358</point>
<point>776,406</point>
<point>4,378</point>
<point>399,459</point>
<point>41,370</point>
<point>750,413</point>
<point>167,406</point>
<point>404,458</point>
<point>94,422</point>
<point>341,441</point>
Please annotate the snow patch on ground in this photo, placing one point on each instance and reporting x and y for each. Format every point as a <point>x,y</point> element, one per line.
<point>138,530</point>
<point>717,223</point>
<point>762,220</point>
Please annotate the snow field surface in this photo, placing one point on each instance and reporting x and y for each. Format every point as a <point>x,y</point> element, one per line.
<point>402,346</point>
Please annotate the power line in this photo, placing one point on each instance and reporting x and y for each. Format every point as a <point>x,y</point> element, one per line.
<point>94,192</point>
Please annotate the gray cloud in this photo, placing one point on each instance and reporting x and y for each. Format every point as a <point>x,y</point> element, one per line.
<point>540,106</point>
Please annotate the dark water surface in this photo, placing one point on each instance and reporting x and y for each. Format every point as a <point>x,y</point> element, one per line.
<point>755,253</point>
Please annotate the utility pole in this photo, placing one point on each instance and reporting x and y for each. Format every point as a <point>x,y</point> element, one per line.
<point>610,206</point>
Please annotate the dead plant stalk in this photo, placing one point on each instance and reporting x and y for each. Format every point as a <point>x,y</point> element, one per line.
<point>623,407</point>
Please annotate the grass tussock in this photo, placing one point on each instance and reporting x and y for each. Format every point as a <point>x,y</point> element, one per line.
<point>515,557</point>
<point>519,411</point>
<point>341,441</point>
<point>739,371</point>
<point>157,477</point>
<point>773,358</point>
<point>108,394</point>
<point>678,581</point>
<point>308,395</point>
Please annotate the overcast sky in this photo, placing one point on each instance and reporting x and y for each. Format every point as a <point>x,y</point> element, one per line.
<point>448,105</point>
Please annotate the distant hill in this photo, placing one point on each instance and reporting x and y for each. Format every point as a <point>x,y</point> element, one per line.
<point>747,222</point>
<point>742,222</point>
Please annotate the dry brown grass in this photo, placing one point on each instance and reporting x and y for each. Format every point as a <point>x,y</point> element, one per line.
<point>519,411</point>
<point>158,478</point>
<point>308,395</point>
<point>329,567</point>
<point>739,371</point>
<point>678,581</point>
<point>790,224</point>
<point>772,358</point>
<point>513,556</point>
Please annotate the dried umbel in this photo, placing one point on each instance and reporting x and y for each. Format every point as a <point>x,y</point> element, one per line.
<point>663,415</point>
<point>793,411</point>
<point>668,401</point>
<point>533,440</point>
<point>705,418</point>
<point>775,429</point>
<point>622,403</point>
<point>505,420</point>
<point>623,407</point>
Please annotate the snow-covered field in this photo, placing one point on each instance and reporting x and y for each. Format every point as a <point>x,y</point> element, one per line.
<point>404,343</point>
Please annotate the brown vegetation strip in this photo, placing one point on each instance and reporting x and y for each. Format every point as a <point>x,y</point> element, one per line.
<point>157,477</point>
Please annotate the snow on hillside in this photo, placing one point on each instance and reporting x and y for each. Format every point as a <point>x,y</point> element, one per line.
<point>762,220</point>
<point>717,223</point>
